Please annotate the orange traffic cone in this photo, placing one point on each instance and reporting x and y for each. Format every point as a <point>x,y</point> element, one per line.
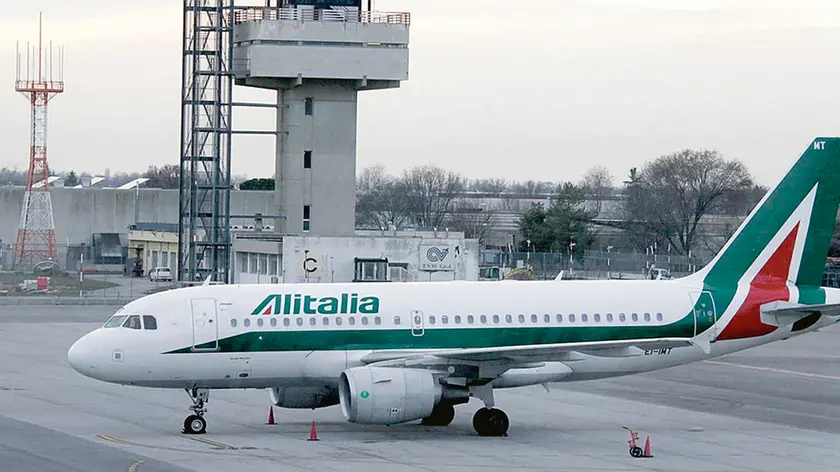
<point>313,435</point>
<point>646,452</point>
<point>270,415</point>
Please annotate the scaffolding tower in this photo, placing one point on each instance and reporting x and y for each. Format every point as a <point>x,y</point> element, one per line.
<point>204,242</point>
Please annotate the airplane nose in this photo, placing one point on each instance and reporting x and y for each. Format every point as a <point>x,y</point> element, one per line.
<point>80,356</point>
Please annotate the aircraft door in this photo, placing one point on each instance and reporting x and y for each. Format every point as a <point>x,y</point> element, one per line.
<point>417,323</point>
<point>705,315</point>
<point>205,324</point>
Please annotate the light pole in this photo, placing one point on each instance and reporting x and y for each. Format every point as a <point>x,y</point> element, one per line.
<point>609,272</point>
<point>571,257</point>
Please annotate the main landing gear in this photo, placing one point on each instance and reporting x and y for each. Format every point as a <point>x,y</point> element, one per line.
<point>489,421</point>
<point>195,423</point>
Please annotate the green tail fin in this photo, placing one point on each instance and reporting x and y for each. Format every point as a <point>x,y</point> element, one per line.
<point>801,209</point>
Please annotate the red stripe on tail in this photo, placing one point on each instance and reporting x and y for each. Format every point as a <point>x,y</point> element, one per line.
<point>769,285</point>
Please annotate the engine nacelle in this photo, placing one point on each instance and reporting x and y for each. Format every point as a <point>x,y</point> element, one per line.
<point>390,395</point>
<point>303,397</point>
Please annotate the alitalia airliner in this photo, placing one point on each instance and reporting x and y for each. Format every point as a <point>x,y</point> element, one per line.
<point>391,353</point>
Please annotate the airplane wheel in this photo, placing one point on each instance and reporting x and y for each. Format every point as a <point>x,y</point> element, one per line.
<point>195,424</point>
<point>490,422</point>
<point>442,415</point>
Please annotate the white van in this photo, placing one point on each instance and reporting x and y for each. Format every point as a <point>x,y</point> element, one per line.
<point>160,273</point>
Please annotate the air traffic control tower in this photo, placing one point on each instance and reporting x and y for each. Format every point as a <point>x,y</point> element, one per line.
<point>318,55</point>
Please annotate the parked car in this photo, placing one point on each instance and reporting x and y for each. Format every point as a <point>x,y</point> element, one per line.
<point>160,274</point>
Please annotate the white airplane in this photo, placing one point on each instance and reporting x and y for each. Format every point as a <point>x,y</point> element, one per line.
<point>394,353</point>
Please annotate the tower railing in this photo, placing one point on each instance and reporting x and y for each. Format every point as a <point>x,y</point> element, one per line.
<point>243,15</point>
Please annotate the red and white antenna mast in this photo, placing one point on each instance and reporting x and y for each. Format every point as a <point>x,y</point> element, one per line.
<point>40,82</point>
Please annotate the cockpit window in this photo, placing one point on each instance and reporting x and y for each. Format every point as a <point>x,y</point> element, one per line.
<point>149,322</point>
<point>133,322</point>
<point>115,321</point>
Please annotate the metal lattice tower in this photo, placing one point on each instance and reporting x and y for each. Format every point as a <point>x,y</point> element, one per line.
<point>206,108</point>
<point>36,233</point>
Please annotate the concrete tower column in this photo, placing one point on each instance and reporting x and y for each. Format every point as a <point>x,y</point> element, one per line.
<point>318,60</point>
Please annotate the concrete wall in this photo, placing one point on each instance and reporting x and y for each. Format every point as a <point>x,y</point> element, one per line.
<point>78,213</point>
<point>303,259</point>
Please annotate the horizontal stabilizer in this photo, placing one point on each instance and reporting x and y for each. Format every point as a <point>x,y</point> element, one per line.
<point>781,313</point>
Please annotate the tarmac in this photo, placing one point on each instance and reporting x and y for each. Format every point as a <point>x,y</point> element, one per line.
<point>773,408</point>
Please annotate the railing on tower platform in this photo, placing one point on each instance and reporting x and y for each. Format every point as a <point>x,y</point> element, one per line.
<point>243,15</point>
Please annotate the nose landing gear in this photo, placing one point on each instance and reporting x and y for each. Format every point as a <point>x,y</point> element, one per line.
<point>195,423</point>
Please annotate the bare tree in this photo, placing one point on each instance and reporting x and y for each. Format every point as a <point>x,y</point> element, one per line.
<point>597,182</point>
<point>379,200</point>
<point>429,192</point>
<point>167,176</point>
<point>671,195</point>
<point>476,221</point>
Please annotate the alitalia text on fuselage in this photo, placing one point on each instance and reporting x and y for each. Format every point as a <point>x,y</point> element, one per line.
<point>299,304</point>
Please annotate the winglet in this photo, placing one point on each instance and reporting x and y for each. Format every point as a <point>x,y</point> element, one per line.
<point>206,282</point>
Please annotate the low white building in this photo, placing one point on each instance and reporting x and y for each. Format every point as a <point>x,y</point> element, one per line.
<point>370,256</point>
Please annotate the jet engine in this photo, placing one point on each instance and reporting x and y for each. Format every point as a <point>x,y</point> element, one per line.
<point>303,397</point>
<point>390,395</point>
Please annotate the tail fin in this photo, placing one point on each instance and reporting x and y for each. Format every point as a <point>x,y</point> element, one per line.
<point>787,235</point>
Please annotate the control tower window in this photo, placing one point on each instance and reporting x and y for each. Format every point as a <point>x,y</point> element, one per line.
<point>306,218</point>
<point>308,106</point>
<point>307,159</point>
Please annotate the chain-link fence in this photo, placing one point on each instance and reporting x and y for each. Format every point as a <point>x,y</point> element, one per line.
<point>592,264</point>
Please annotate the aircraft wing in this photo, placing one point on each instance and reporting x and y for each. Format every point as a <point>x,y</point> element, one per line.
<point>523,354</point>
<point>781,313</point>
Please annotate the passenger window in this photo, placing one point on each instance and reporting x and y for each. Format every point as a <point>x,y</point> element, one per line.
<point>571,317</point>
<point>597,317</point>
<point>547,318</point>
<point>352,320</point>
<point>338,321</point>
<point>300,321</point>
<point>273,322</point>
<point>377,320</point>
<point>647,316</point>
<point>495,319</point>
<point>312,321</point>
<point>260,322</point>
<point>584,318</point>
<point>233,322</point>
<point>246,322</point>
<point>659,317</point>
<point>635,317</point>
<point>132,322</point>
<point>286,322</point>
<point>457,319</point>
<point>559,318</point>
<point>483,319</point>
<point>444,319</point>
<point>432,319</point>
<point>533,318</point>
<point>621,317</point>
<point>521,318</point>
<point>396,320</point>
<point>508,318</point>
<point>364,320</point>
<point>149,322</point>
<point>609,317</point>
<point>326,321</point>
<point>470,319</point>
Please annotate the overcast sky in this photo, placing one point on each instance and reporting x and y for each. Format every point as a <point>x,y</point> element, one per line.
<point>540,91</point>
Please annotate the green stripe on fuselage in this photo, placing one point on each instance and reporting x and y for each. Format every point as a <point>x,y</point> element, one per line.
<point>440,338</point>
